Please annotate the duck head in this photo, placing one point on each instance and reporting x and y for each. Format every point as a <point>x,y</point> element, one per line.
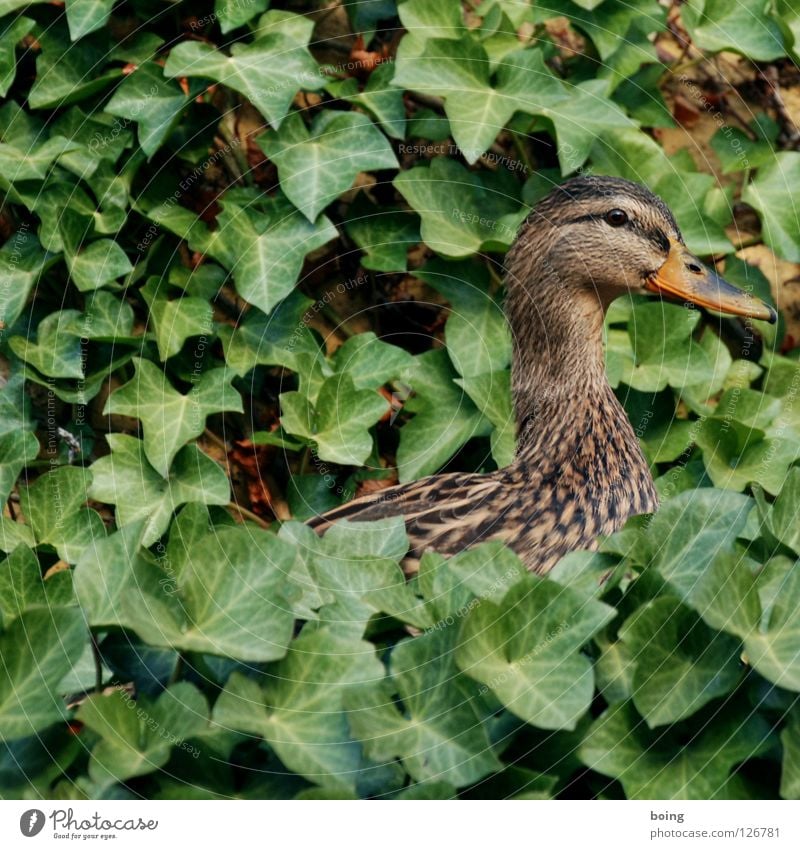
<point>605,237</point>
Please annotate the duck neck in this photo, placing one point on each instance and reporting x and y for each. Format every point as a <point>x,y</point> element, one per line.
<point>560,389</point>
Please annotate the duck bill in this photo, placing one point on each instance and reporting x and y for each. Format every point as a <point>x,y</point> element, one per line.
<point>683,276</point>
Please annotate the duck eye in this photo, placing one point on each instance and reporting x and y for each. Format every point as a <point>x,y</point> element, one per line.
<point>616,217</point>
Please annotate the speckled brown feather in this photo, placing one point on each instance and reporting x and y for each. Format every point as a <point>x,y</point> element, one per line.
<point>579,471</point>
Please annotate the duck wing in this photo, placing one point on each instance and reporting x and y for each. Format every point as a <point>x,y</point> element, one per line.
<point>442,512</point>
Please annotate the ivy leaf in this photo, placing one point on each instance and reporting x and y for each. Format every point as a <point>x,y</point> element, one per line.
<point>65,75</point>
<point>125,478</point>
<point>275,245</point>
<point>490,392</point>
<point>231,16</point>
<point>661,765</point>
<point>316,165</point>
<point>385,237</point>
<point>727,597</point>
<point>18,442</point>
<point>10,37</point>
<point>459,215</point>
<point>438,733</point>
<point>106,572</point>
<point>53,505</point>
<point>424,21</point>
<point>790,776</point>
<point>526,650</point>
<point>22,586</point>
<point>85,16</point>
<point>384,102</point>
<point>57,351</point>
<point>282,338</point>
<point>268,72</point>
<point>370,362</point>
<point>154,103</point>
<point>745,26</point>
<point>659,350</point>
<point>769,194</point>
<point>170,419</point>
<point>23,260</point>
<point>227,598</point>
<point>299,710</point>
<point>781,519</point>
<point>477,335</point>
<point>608,25</point>
<point>459,71</point>
<point>445,419</point>
<point>709,521</point>
<point>174,321</point>
<point>339,420</point>
<point>38,649</point>
<point>738,450</point>
<point>137,737</point>
<point>680,663</point>
<point>100,263</point>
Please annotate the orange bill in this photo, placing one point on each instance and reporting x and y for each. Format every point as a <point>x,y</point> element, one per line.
<point>683,276</point>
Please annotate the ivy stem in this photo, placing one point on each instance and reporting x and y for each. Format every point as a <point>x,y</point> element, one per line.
<point>98,664</point>
<point>178,670</point>
<point>248,514</point>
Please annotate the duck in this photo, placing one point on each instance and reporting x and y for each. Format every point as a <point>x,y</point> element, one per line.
<point>578,472</point>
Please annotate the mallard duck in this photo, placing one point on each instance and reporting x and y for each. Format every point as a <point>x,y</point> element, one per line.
<point>579,471</point>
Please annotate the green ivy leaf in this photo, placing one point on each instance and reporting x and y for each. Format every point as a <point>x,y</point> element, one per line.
<point>106,572</point>
<point>689,530</point>
<point>174,321</point>
<point>126,478</point>
<point>282,338</point>
<point>232,15</point>
<point>85,16</point>
<point>154,103</point>
<point>275,245</point>
<point>99,264</point>
<point>660,765</point>
<point>339,420</point>
<point>385,237</point>
<point>57,351</point>
<point>137,737</point>
<point>383,102</point>
<point>445,419</point>
<point>22,586</point>
<point>65,75</point>
<point>680,663</point>
<point>790,776</point>
<point>739,446</point>
<point>170,419</point>
<point>227,598</point>
<point>18,442</point>
<point>54,507</point>
<point>316,165</point>
<point>24,260</point>
<point>438,733</point>
<point>268,72</point>
<point>299,710</point>
<point>745,26</point>
<point>10,37</point>
<point>38,649</point>
<point>769,193</point>
<point>526,650</point>
<point>459,215</point>
<point>727,597</point>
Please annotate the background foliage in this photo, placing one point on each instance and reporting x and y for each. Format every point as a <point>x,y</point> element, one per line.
<point>252,265</point>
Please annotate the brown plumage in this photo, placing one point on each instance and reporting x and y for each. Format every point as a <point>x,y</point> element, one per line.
<point>579,471</point>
